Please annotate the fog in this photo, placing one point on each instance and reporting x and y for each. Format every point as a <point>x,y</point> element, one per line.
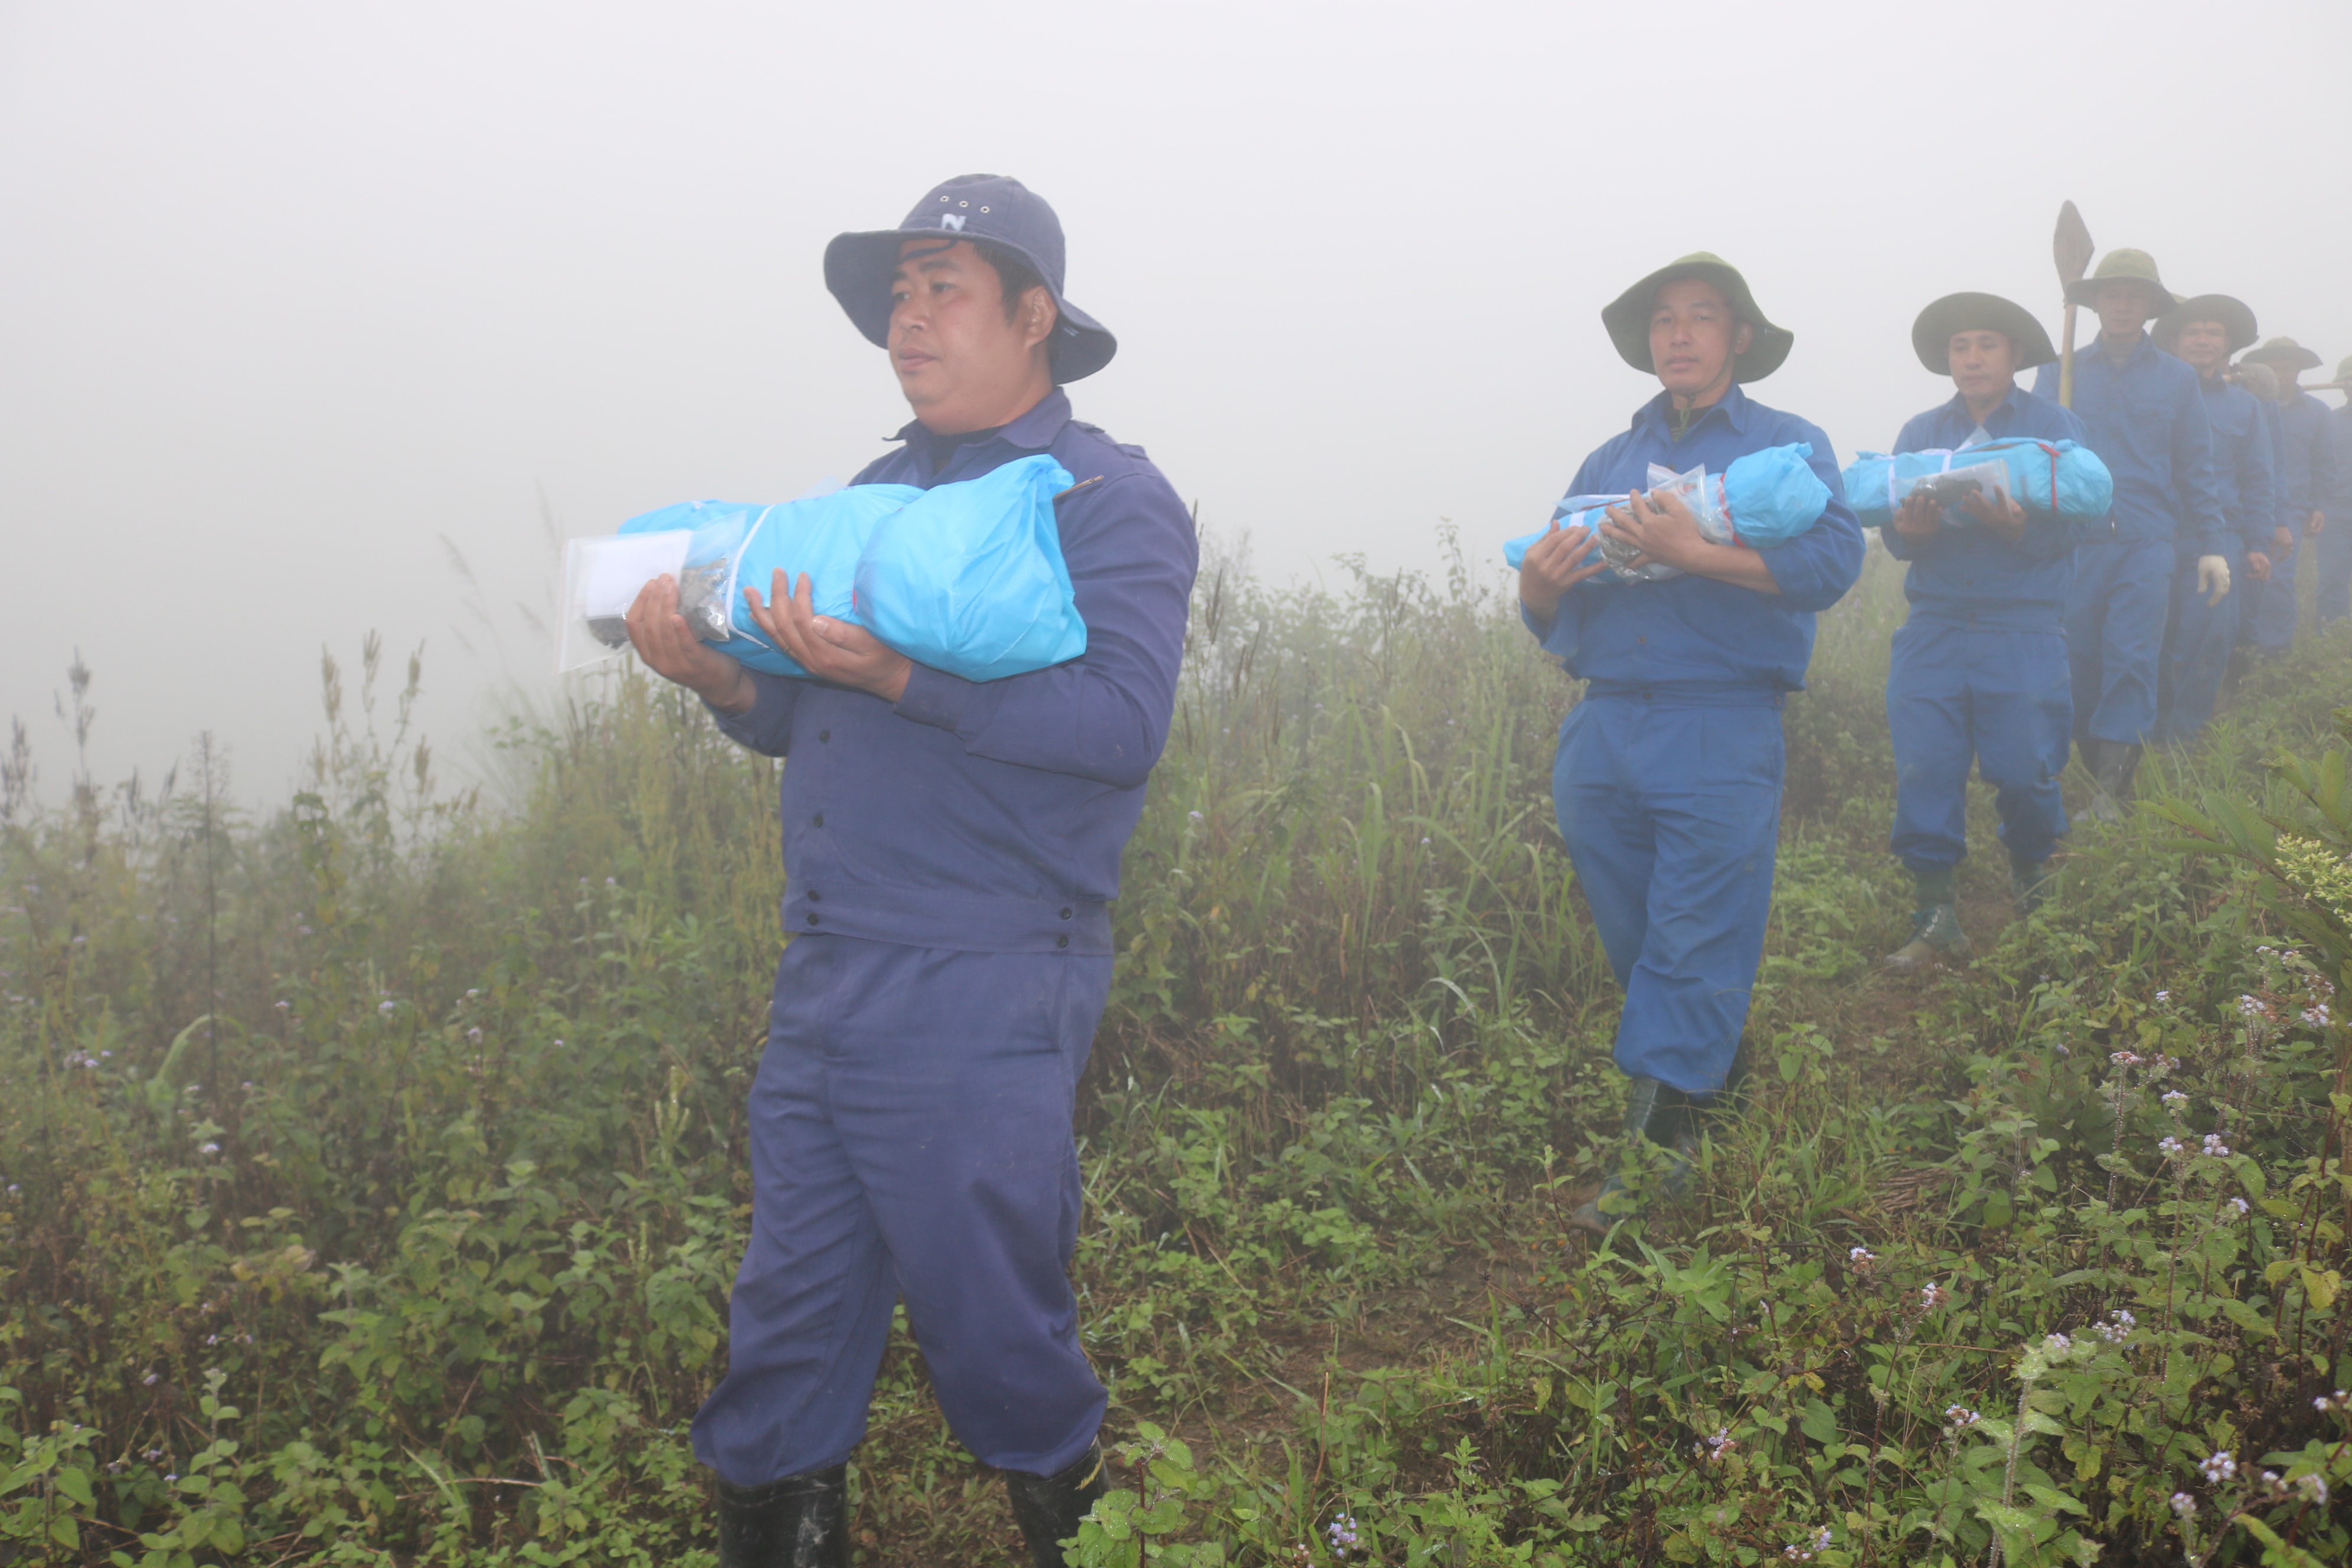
<point>291,294</point>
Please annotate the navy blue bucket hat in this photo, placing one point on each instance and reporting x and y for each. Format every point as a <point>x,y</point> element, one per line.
<point>1002,211</point>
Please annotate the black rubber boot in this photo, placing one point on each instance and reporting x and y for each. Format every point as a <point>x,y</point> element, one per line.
<point>2029,883</point>
<point>801,1521</point>
<point>1049,1507</point>
<point>1936,935</point>
<point>2118,766</point>
<point>1665,1116</point>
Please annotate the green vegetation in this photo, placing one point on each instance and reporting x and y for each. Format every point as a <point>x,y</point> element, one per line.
<point>373,1168</point>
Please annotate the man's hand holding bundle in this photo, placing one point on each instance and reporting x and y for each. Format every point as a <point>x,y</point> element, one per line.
<point>827,648</point>
<point>672,651</point>
<point>2001,516</point>
<point>1557,561</point>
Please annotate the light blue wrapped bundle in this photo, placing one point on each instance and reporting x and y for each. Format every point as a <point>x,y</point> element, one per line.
<point>1763,498</point>
<point>2064,478</point>
<point>967,577</point>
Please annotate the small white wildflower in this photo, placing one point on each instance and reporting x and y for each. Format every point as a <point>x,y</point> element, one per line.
<point>208,1148</point>
<point>2124,1058</point>
<point>2215,1147</point>
<point>1932,1295</point>
<point>1960,1417</point>
<point>1862,1258</point>
<point>2168,1147</point>
<point>2238,1208</point>
<point>2175,1098</point>
<point>2184,1505</point>
<point>2316,1016</point>
<point>150,1379</point>
<point>2313,1487</point>
<point>2221,1466</point>
<point>475,1036</point>
<point>386,1006</point>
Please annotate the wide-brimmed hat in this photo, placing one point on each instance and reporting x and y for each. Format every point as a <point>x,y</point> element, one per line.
<point>1627,317</point>
<point>2122,266</point>
<point>2237,318</point>
<point>1931,334</point>
<point>1003,212</point>
<point>2284,353</point>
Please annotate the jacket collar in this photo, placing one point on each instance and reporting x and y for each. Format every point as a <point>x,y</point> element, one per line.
<point>2004,413</point>
<point>1033,432</point>
<point>1659,413</point>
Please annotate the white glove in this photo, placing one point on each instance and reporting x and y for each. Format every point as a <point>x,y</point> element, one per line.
<point>2213,578</point>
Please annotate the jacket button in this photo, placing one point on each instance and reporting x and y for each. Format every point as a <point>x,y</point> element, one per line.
<point>817,821</point>
<point>823,735</point>
<point>1065,914</point>
<point>815,897</point>
<point>812,920</point>
<point>1061,942</point>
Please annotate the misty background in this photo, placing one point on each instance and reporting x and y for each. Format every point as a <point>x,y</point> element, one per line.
<point>291,294</point>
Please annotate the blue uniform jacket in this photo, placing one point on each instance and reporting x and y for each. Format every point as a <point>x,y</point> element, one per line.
<point>1968,574</point>
<point>2340,514</point>
<point>2148,423</point>
<point>2307,459</point>
<point>989,817</point>
<point>1692,635</point>
<point>2244,460</point>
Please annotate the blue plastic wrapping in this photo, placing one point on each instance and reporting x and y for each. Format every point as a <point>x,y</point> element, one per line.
<point>967,577</point>
<point>2064,478</point>
<point>1765,498</point>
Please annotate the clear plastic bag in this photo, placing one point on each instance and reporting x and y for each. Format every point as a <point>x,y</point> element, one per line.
<point>602,578</point>
<point>1954,486</point>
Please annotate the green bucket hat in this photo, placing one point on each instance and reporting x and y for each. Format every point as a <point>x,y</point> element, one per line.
<point>1931,334</point>
<point>1627,317</point>
<point>2129,265</point>
<point>2237,319</point>
<point>2284,353</point>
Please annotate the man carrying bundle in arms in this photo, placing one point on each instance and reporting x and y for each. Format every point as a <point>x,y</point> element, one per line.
<point>1668,778</point>
<point>2147,422</point>
<point>2203,333</point>
<point>952,850</point>
<point>1979,669</point>
<point>2307,482</point>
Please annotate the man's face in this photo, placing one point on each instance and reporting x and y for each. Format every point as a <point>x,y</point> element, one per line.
<point>955,353</point>
<point>1692,336</point>
<point>2204,345</point>
<point>2122,307</point>
<point>1984,363</point>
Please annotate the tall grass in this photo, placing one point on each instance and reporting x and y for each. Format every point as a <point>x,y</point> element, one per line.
<point>375,1166</point>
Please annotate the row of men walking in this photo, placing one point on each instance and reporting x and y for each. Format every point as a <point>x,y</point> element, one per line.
<point>2117,634</point>
<point>952,848</point>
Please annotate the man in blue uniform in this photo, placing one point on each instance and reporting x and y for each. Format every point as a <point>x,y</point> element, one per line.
<point>1668,778</point>
<point>1979,669</point>
<point>952,850</point>
<point>2333,554</point>
<point>2147,422</point>
<point>2306,485</point>
<point>2203,333</point>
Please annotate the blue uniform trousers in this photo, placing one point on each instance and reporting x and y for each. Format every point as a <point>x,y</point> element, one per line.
<point>1671,811</point>
<point>2331,557</point>
<point>2196,646</point>
<point>911,1132</point>
<point>1999,695</point>
<point>2271,613</point>
<point>2115,614</point>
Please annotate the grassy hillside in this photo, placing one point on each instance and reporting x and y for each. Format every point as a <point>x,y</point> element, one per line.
<point>373,1167</point>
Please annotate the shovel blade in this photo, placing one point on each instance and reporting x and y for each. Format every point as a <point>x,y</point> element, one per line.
<point>2072,246</point>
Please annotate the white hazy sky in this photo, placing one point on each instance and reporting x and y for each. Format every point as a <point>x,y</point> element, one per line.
<point>290,291</point>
